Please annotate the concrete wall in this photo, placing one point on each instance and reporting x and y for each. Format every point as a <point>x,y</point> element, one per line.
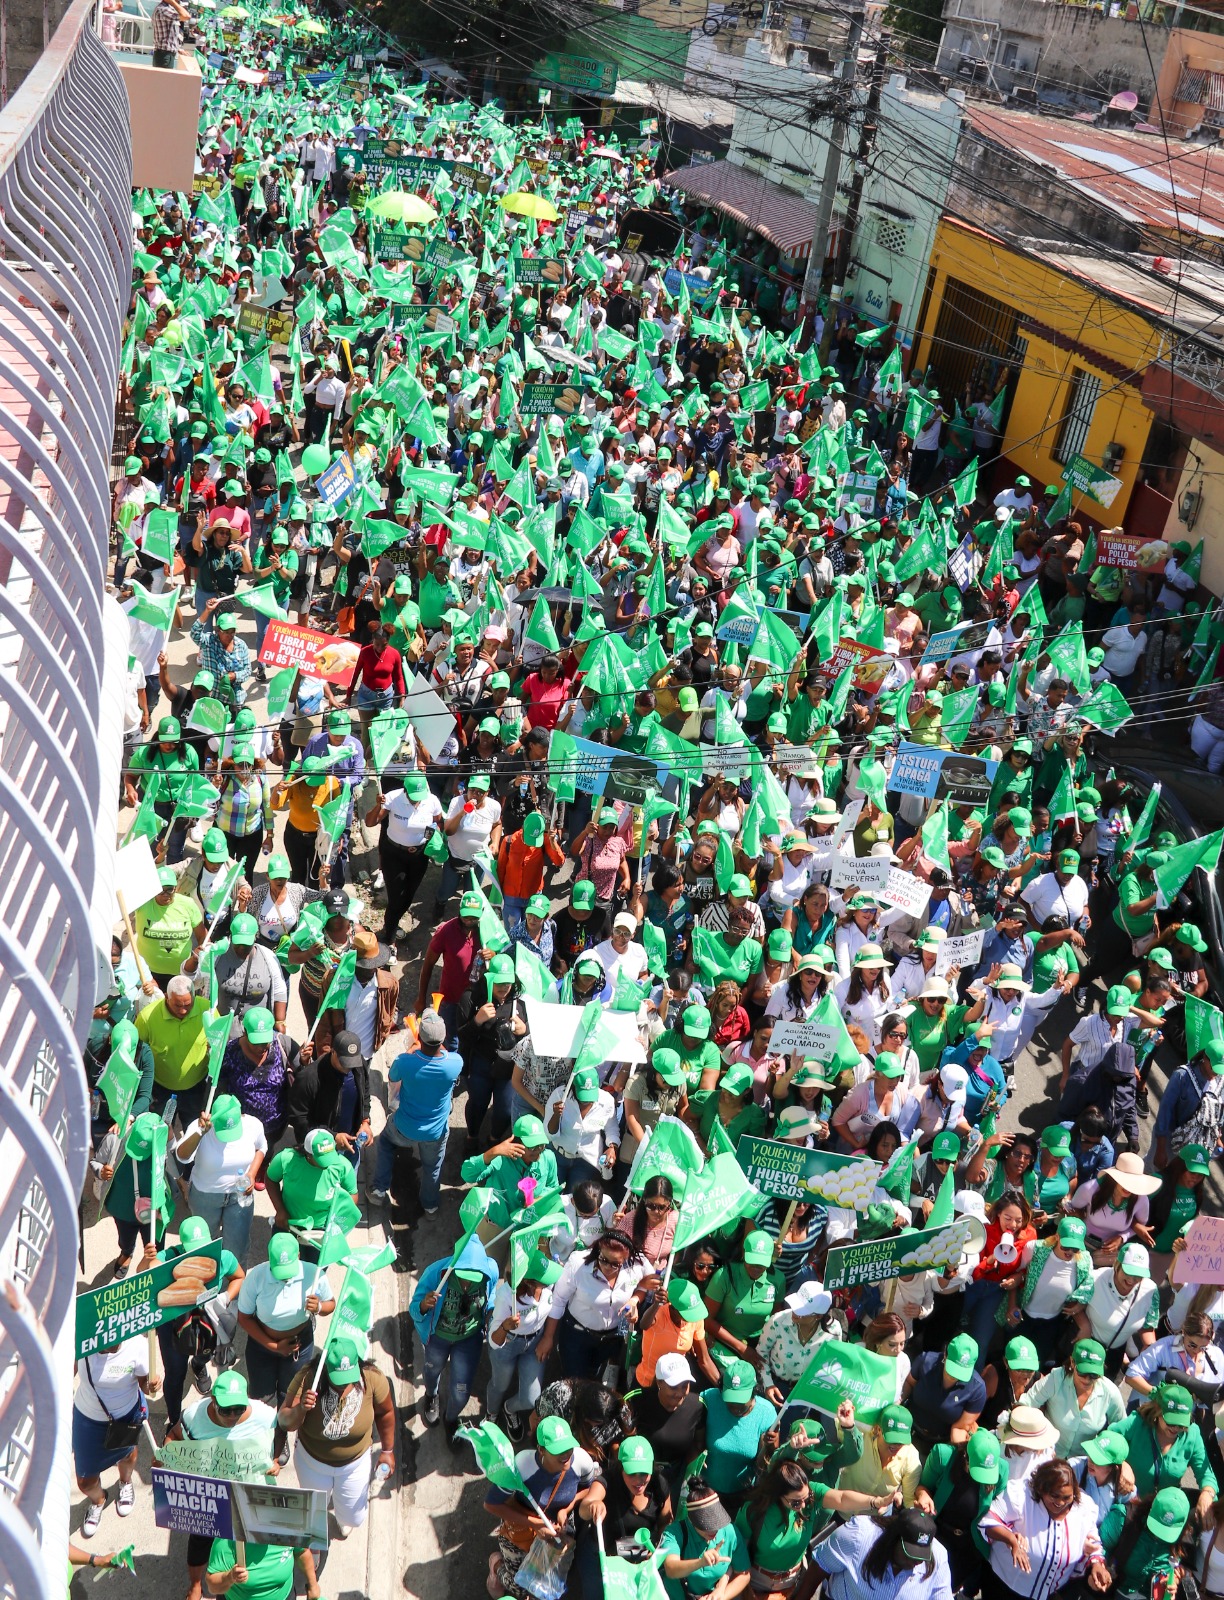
<point>1017,198</point>
<point>1073,49</point>
<point>165,110</point>
<point>1205,475</point>
<point>29,27</point>
<point>1203,51</point>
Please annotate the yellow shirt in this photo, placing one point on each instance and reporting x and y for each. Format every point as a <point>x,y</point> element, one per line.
<point>304,803</point>
<point>869,1476</point>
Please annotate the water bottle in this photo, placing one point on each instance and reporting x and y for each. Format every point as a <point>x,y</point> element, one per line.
<point>363,1139</point>
<point>381,1473</point>
<point>171,1108</point>
<point>95,1105</point>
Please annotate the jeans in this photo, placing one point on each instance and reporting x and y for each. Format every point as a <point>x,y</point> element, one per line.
<point>430,1152</point>
<point>981,1302</point>
<point>512,906</point>
<point>269,1375</point>
<point>190,1101</point>
<point>573,1169</point>
<point>464,1358</point>
<point>516,1371</point>
<point>456,876</point>
<point>229,1216</point>
<point>584,1353</point>
<point>485,1088</point>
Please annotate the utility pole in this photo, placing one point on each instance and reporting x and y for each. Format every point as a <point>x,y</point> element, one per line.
<point>832,171</point>
<point>866,144</point>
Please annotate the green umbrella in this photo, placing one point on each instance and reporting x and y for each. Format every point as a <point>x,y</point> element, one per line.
<point>398,206</point>
<point>523,204</point>
<point>234,11</point>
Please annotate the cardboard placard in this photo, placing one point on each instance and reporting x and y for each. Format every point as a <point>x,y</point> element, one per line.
<point>431,718</point>
<point>873,1260</point>
<point>186,1502</point>
<point>135,876</point>
<point>818,1039</point>
<point>130,1306</point>
<point>1202,1261</point>
<point>963,951</point>
<point>866,873</point>
<point>549,399</point>
<point>905,892</point>
<point>791,1172</point>
<point>941,775</point>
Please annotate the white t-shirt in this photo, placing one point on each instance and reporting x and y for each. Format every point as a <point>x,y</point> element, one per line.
<point>472,834</point>
<point>1053,1288</point>
<point>583,1129</point>
<point>112,1377</point>
<point>1045,896</point>
<point>532,1313</point>
<point>632,963</point>
<point>220,1167</point>
<point>361,1013</point>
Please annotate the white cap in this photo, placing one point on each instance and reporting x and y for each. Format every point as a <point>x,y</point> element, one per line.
<point>954,1081</point>
<point>970,1203</point>
<point>1135,1260</point>
<point>626,919</point>
<point>673,1369</point>
<point>809,1300</point>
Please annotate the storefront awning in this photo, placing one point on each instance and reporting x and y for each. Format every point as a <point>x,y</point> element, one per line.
<point>779,216</point>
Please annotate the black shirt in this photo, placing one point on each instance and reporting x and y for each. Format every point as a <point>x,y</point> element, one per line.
<point>673,1434</point>
<point>622,1520</point>
<point>572,937</point>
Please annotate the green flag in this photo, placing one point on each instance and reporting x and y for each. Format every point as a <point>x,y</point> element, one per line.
<point>494,1457</point>
<point>942,1210</point>
<point>540,628</point>
<point>337,994</point>
<point>1203,1022</point>
<point>387,732</point>
<point>715,1196</point>
<point>1202,852</point>
<point>217,1032</point>
<point>280,692</point>
<point>958,712</point>
<point>533,976</point>
<point>223,888</point>
<point>671,1152</point>
<point>196,797</point>
<point>896,1179</point>
<point>1143,826</point>
<point>1105,708</point>
<point>155,609</point>
<point>840,1371</point>
<point>343,1215</point>
<point>119,1081</point>
<point>354,1307</point>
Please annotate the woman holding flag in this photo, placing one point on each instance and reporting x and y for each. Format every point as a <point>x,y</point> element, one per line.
<point>335,1425</point>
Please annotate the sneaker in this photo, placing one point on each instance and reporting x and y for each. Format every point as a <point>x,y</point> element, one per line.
<point>93,1520</point>
<point>1141,1102</point>
<point>126,1502</point>
<point>203,1379</point>
<point>379,882</point>
<point>378,1197</point>
<point>516,1425</point>
<point>431,1410</point>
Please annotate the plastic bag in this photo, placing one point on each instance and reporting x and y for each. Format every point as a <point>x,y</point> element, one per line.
<point>545,1568</point>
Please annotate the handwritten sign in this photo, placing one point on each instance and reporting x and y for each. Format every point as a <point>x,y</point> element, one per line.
<point>905,892</point>
<point>963,951</point>
<point>794,757</point>
<point>868,873</point>
<point>1202,1261</point>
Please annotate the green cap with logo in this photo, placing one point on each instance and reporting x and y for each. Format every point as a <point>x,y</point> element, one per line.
<point>229,1391</point>
<point>896,1425</point>
<point>1088,1357</point>
<point>636,1454</point>
<point>343,1361</point>
<point>1108,1449</point>
<point>738,1382</point>
<point>284,1257</point>
<point>226,1119</point>
<point>556,1436</point>
<point>1176,1405</point>
<point>984,1457</point>
<point>961,1357</point>
<point>1169,1513</point>
<point>259,1025</point>
<point>1021,1355</point>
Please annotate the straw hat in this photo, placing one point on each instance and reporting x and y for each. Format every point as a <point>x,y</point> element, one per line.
<point>1127,1172</point>
<point>1029,1429</point>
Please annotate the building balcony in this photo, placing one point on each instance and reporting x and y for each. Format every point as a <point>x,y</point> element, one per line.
<point>65,275</point>
<point>164,101</point>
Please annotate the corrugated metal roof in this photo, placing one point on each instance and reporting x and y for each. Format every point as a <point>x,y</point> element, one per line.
<point>1181,186</point>
<point>771,210</point>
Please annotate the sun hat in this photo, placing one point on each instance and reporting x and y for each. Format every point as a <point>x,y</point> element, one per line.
<point>796,1122</point>
<point>1127,1172</point>
<point>935,989</point>
<point>1029,1429</point>
<point>870,955</point>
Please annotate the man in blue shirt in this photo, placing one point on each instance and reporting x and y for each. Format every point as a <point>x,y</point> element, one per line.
<point>586,456</point>
<point>1005,944</point>
<point>421,1120</point>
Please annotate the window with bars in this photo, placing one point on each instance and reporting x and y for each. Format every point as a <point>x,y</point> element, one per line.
<point>892,235</point>
<point>1082,397</point>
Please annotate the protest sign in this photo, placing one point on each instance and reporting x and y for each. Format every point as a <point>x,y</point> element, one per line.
<point>1119,549</point>
<point>338,482</point>
<point>1083,475</point>
<point>818,1039</point>
<point>905,892</point>
<point>432,720</point>
<point>857,489</point>
<point>390,244</point>
<point>701,291</point>
<point>964,950</point>
<point>846,824</point>
<point>942,775</point>
<point>136,875</point>
<point>466,176</point>
<point>321,655</point>
<point>791,1172</point>
<point>866,873</point>
<point>793,757</point>
<point>602,769</point>
<point>1202,1261</point>
<point>144,1300</point>
<point>871,666</point>
<point>185,1502</point>
<point>261,322</point>
<point>542,269</point>
<point>223,1456</point>
<point>957,641</point>
<point>964,563</point>
<point>839,1371</point>
<point>731,760</point>
<point>275,1513</point>
<point>547,399</point>
<point>873,1260</point>
<point>553,1029</point>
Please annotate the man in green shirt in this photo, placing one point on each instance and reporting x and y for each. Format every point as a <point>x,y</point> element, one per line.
<point>1135,912</point>
<point>168,929</point>
<point>301,1182</point>
<point>525,1154</point>
<point>173,1028</point>
<point>692,1043</point>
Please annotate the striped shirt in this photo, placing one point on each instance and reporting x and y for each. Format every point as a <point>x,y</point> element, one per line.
<point>1057,1551</point>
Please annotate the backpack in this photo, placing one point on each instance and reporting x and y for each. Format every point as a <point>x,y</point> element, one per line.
<point>194,1336</point>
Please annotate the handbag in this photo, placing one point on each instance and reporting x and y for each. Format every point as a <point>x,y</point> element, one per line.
<point>121,1433</point>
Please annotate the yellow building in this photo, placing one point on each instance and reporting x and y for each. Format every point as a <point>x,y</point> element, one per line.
<point>1076,334</point>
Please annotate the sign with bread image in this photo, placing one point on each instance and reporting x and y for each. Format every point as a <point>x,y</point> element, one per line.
<point>143,1301</point>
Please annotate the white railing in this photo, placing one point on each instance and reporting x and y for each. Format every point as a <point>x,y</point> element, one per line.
<point>65,273</point>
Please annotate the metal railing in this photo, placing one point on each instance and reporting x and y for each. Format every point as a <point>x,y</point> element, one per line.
<point>65,275</point>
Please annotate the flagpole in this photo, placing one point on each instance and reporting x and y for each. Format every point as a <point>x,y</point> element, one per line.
<point>141,966</point>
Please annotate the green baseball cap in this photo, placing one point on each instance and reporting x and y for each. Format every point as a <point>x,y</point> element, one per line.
<point>758,1249</point>
<point>984,1457</point>
<point>278,866</point>
<point>696,1022</point>
<point>343,1361</point>
<point>1119,1001</point>
<point>888,1066</point>
<point>1191,935</point>
<point>1057,1140</point>
<point>738,1382</point>
<point>961,1357</point>
<point>259,1024</point>
<point>1169,1513</point>
<point>582,895</point>
<point>1194,1159</point>
<point>946,1146</point>
<point>538,906</point>
<point>667,1064</point>
<point>226,1119</point>
<point>896,1425</point>
<point>229,1391</point>
<point>586,1085</point>
<point>284,1257</point>
<point>556,1436</point>
<point>470,904</point>
<point>1072,1233</point>
<point>1108,1449</point>
<point>529,1131</point>
<point>1021,1355</point>
<point>243,928</point>
<point>194,1231</point>
<point>1088,1356</point>
<point>636,1454</point>
<point>1176,1405</point>
<point>542,1269</point>
<point>685,1297</point>
<point>214,847</point>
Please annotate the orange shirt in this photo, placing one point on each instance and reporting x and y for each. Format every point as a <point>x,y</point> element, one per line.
<point>660,1339</point>
<point>520,867</point>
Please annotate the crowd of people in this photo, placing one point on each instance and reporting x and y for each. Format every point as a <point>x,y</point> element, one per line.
<point>730,726</point>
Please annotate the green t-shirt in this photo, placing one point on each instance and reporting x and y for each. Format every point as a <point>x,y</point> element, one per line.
<point>180,1048</point>
<point>269,1569</point>
<point>682,1540</point>
<point>745,1304</point>
<point>696,1055</point>
<point>462,1310</point>
<point>1052,965</point>
<point>1183,1209</point>
<point>163,933</point>
<point>435,598</point>
<point>717,960</point>
<point>751,1120</point>
<point>307,1189</point>
<point>782,1537</point>
<point>1130,890</point>
<point>282,581</point>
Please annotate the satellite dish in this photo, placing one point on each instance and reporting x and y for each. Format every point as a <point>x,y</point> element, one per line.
<point>1126,101</point>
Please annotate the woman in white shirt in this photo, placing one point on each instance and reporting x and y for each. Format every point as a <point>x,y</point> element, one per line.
<point>473,823</point>
<point>1042,1533</point>
<point>583,1129</point>
<point>111,1391</point>
<point>227,1146</point>
<point>518,1319</point>
<point>277,906</point>
<point>596,1300</point>
<point>408,818</point>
